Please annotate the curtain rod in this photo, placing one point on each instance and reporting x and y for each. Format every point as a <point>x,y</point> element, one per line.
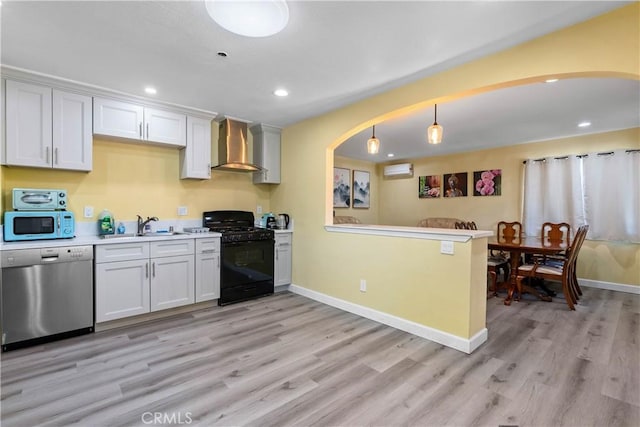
<point>606,153</point>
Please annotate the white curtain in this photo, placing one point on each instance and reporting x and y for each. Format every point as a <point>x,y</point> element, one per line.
<point>602,190</point>
<point>612,195</point>
<point>553,193</point>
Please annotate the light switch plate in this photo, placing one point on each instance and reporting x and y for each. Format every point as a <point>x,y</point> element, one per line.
<point>88,211</point>
<point>182,210</point>
<point>446,247</point>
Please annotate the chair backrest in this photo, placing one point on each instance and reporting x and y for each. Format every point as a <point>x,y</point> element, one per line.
<point>577,244</point>
<point>471,225</point>
<point>556,232</point>
<point>461,225</point>
<point>509,230</point>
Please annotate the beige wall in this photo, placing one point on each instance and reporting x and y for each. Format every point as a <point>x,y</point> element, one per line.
<point>133,179</point>
<point>320,263</point>
<point>367,216</point>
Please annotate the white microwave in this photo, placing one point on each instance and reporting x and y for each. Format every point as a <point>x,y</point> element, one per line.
<point>39,199</point>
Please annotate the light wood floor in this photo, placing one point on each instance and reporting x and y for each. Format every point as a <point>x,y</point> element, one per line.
<point>289,361</point>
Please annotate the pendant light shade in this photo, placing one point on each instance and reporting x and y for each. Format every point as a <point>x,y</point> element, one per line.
<point>434,133</point>
<point>373,144</point>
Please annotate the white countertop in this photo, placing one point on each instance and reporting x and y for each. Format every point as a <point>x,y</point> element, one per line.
<point>96,240</point>
<point>451,234</point>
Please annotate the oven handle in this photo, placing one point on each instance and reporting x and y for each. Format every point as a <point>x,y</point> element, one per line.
<point>248,242</point>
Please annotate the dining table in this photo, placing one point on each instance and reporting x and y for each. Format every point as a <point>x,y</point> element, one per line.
<point>519,245</point>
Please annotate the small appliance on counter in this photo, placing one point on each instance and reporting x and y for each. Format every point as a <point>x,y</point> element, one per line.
<point>38,214</point>
<point>282,221</point>
<point>268,220</point>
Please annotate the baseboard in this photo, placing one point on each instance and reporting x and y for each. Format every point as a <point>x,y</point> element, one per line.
<point>280,288</point>
<point>619,287</point>
<point>466,345</point>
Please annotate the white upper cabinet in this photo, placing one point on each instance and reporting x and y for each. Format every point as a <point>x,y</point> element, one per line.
<point>266,154</point>
<point>116,118</point>
<point>195,159</point>
<point>47,128</point>
<point>132,121</point>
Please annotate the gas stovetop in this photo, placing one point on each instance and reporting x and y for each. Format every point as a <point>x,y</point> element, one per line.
<point>235,226</point>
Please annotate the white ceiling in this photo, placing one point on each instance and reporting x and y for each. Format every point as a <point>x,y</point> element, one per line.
<point>331,54</point>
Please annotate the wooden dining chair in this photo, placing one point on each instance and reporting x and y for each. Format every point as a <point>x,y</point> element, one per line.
<point>556,232</point>
<point>564,274</point>
<point>509,230</point>
<point>461,225</point>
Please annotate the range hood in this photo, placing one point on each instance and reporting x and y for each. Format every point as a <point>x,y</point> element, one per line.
<point>233,150</point>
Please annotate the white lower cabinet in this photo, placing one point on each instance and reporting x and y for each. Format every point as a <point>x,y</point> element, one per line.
<point>207,269</point>
<point>136,278</point>
<point>282,268</point>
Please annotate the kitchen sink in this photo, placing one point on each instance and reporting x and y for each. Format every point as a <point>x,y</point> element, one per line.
<point>117,236</point>
<point>162,233</point>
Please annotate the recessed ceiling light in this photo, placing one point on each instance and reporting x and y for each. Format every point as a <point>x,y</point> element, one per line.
<point>280,92</point>
<point>250,18</point>
<point>390,155</point>
<point>150,90</point>
<point>551,80</point>
<point>584,124</point>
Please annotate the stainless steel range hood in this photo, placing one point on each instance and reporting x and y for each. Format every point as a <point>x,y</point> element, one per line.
<point>233,150</point>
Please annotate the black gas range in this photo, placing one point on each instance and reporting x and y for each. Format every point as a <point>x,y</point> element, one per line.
<point>247,254</point>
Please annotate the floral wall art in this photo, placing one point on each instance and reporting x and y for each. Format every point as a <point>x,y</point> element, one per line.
<point>341,188</point>
<point>361,189</point>
<point>487,183</point>
<point>429,187</point>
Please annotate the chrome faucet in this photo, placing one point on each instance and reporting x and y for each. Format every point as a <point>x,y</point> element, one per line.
<point>142,223</point>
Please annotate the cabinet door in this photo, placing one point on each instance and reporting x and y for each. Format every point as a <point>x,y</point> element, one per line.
<point>172,282</point>
<point>72,137</point>
<point>116,118</point>
<point>165,127</point>
<point>266,154</point>
<point>122,289</point>
<point>28,125</point>
<point>282,268</point>
<point>195,159</point>
<point>207,276</point>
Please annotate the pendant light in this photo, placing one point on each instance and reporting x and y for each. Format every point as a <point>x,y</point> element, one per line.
<point>373,144</point>
<point>434,133</point>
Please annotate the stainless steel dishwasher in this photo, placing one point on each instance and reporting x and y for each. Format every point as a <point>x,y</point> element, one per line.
<point>46,294</point>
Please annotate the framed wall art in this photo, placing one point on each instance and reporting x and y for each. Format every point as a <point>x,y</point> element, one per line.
<point>455,184</point>
<point>429,187</point>
<point>341,188</point>
<point>488,182</point>
<point>361,189</point>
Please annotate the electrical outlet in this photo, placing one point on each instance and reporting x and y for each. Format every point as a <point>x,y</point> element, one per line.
<point>259,209</point>
<point>446,247</point>
<point>182,210</point>
<point>88,211</point>
<point>363,285</point>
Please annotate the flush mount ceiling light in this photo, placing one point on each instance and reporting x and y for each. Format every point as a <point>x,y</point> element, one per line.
<point>551,80</point>
<point>434,133</point>
<point>261,18</point>
<point>584,124</point>
<point>373,144</point>
<point>150,90</point>
<point>280,92</point>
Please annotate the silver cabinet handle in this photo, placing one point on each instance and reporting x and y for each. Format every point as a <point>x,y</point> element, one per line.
<point>277,254</point>
<point>46,154</point>
<point>140,129</point>
<point>147,131</point>
<point>153,269</point>
<point>55,155</point>
<point>218,261</point>
<point>208,169</point>
<point>146,268</point>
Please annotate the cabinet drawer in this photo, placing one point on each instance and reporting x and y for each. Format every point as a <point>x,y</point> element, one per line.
<point>207,245</point>
<point>283,239</point>
<point>172,247</point>
<point>122,252</point>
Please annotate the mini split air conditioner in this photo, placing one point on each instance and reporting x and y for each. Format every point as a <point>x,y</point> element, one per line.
<point>399,170</point>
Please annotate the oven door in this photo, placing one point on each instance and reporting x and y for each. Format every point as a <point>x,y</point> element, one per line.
<point>247,270</point>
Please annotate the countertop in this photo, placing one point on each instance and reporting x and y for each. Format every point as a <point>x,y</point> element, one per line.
<point>96,240</point>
